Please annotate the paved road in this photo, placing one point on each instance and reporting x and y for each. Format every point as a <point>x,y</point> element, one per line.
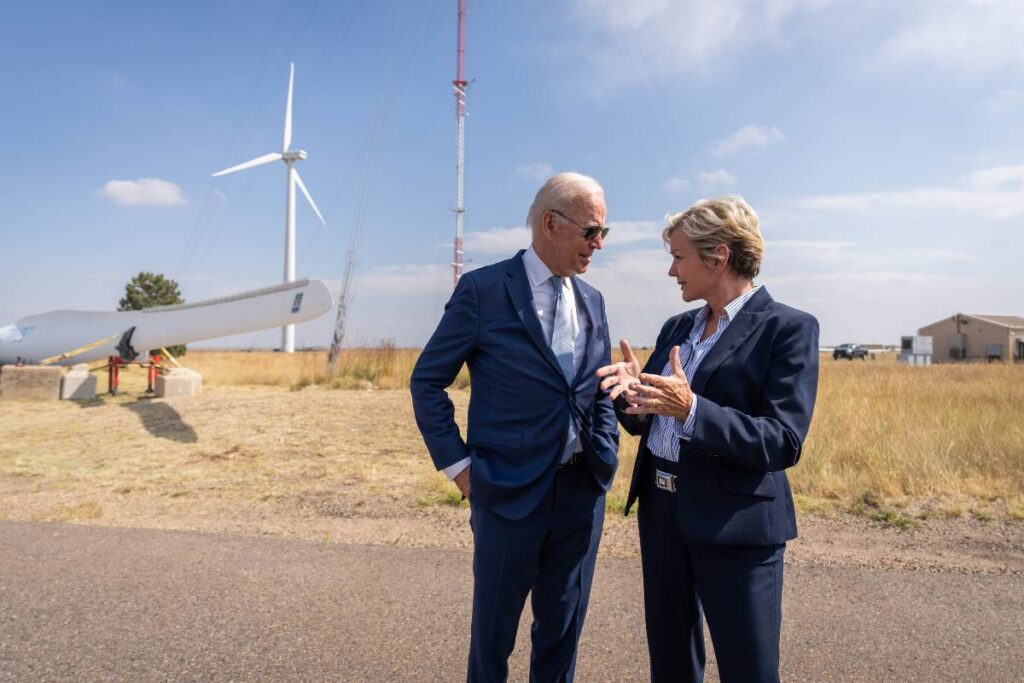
<point>93,604</point>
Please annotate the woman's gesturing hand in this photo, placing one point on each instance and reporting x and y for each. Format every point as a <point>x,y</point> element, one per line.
<point>670,396</point>
<point>620,376</point>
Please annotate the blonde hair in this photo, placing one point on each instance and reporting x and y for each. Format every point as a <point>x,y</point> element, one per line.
<point>727,220</point>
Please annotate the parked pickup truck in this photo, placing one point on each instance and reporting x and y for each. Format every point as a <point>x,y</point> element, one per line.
<point>849,352</point>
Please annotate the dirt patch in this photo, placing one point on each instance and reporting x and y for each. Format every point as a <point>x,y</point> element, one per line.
<point>310,464</point>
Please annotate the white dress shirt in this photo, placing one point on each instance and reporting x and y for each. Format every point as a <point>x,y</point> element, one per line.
<point>692,353</point>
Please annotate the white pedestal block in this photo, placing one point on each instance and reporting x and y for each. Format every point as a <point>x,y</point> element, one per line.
<point>78,384</point>
<point>178,382</point>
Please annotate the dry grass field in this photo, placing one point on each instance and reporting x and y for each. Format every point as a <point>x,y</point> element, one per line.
<point>881,430</point>
<point>274,446</point>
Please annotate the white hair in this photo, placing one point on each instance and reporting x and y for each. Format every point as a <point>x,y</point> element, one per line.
<point>558,193</point>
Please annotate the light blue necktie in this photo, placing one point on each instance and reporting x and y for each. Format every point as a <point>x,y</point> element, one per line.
<point>564,348</point>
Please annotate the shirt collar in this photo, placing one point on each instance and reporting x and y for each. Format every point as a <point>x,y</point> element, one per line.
<point>737,304</point>
<point>535,268</point>
<point>731,309</point>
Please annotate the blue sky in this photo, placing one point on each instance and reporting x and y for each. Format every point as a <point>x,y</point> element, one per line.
<point>881,143</point>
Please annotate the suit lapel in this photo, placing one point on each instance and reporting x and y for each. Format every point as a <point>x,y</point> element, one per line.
<point>747,320</point>
<point>518,285</point>
<point>676,337</point>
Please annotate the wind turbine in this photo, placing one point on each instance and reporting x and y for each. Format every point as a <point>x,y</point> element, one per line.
<point>289,157</point>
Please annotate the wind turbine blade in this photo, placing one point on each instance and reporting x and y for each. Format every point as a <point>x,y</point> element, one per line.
<point>302,186</point>
<point>288,111</point>
<point>258,161</point>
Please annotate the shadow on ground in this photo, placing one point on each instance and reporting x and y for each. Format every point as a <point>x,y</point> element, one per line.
<point>162,420</point>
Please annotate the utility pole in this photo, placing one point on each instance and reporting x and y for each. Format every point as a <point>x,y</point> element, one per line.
<point>339,322</point>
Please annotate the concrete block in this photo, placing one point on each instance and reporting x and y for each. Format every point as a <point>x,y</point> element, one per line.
<point>30,382</point>
<point>178,382</point>
<point>78,384</point>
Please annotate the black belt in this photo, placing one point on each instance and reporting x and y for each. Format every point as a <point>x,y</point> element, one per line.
<point>666,481</point>
<point>662,472</point>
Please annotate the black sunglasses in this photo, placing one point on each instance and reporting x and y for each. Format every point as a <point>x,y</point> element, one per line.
<point>589,231</point>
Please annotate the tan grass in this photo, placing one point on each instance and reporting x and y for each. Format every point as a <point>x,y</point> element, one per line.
<point>894,430</point>
<point>948,433</point>
<point>382,367</point>
<point>71,513</point>
<point>435,489</point>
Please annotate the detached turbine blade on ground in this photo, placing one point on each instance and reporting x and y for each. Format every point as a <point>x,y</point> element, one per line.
<point>302,186</point>
<point>288,111</point>
<point>258,161</point>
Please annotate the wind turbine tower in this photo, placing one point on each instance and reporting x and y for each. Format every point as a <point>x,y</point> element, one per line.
<point>289,157</point>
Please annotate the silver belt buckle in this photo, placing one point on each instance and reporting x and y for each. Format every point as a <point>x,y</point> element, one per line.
<point>665,481</point>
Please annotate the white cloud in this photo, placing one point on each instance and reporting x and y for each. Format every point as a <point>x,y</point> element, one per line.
<point>996,192</point>
<point>864,295</point>
<point>504,242</point>
<point>405,302</point>
<point>706,180</point>
<point>496,241</point>
<point>717,178</point>
<point>991,204</point>
<point>861,292</point>
<point>142,192</point>
<point>880,306</point>
<point>677,184</point>
<point>632,232</point>
<point>830,250</point>
<point>748,136</point>
<point>399,302</point>
<point>651,37</point>
<point>639,295</point>
<point>971,38</point>
<point>796,258</point>
<point>997,178</point>
<point>539,171</point>
<point>1005,101</point>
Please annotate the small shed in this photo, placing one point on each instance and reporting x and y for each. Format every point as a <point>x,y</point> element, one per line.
<point>916,350</point>
<point>971,336</point>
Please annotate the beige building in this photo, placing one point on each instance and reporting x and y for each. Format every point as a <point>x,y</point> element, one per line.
<point>967,336</point>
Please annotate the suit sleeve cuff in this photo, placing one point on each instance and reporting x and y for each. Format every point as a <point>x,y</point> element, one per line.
<point>453,471</point>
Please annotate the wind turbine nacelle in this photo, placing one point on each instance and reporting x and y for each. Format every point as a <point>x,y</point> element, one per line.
<point>295,155</point>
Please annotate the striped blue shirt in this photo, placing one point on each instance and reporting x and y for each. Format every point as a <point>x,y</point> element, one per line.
<point>663,439</point>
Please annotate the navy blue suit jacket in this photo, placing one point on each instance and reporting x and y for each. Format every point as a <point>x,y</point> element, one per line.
<point>757,388</point>
<point>520,401</point>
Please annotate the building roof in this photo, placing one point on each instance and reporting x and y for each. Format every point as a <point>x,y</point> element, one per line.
<point>1010,321</point>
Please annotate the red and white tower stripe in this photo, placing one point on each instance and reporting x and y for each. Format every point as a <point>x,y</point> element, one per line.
<point>459,85</point>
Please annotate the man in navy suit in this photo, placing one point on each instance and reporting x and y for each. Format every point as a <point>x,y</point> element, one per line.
<point>541,446</point>
<point>723,406</point>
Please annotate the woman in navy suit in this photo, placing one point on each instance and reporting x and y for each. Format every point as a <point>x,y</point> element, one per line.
<point>723,406</point>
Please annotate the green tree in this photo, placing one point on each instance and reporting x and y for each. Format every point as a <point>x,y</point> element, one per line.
<point>146,290</point>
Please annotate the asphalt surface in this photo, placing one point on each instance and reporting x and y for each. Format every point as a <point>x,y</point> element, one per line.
<point>95,604</point>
